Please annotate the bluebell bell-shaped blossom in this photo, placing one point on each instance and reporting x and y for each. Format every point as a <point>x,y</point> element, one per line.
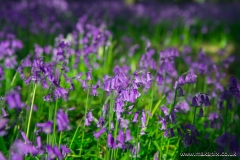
<point>181,81</point>
<point>62,121</point>
<point>135,118</point>
<point>159,79</point>
<point>110,141</point>
<point>195,102</point>
<point>120,138</point>
<point>20,149</point>
<point>60,92</point>
<point>99,133</point>
<point>53,153</point>
<point>45,127</point>
<point>14,101</point>
<point>135,150</point>
<point>4,113</point>
<point>128,135</point>
<point>165,110</point>
<point>64,150</point>
<point>137,78</point>
<point>100,122</point>
<point>233,86</point>
<point>3,123</point>
<point>124,123</point>
<point>163,122</point>
<point>39,142</point>
<point>148,77</point>
<point>229,143</point>
<point>2,156</point>
<point>190,77</point>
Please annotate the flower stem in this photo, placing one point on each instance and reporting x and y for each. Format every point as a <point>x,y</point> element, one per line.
<point>60,139</point>
<point>75,135</point>
<point>3,145</point>
<point>54,122</point>
<point>14,78</point>
<point>86,108</point>
<point>31,109</point>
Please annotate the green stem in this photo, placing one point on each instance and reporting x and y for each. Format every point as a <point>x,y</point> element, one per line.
<point>86,108</point>
<point>14,78</point>
<point>97,151</point>
<point>167,147</point>
<point>137,142</point>
<point>3,145</point>
<point>75,134</point>
<point>31,109</point>
<point>174,101</point>
<point>54,122</point>
<point>60,139</point>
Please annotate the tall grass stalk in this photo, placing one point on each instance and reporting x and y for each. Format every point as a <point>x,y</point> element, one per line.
<point>31,110</point>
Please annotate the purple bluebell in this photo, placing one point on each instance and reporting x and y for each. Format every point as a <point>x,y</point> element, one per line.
<point>51,153</point>
<point>45,127</point>
<point>107,85</point>
<point>99,133</point>
<point>166,133</point>
<point>137,78</point>
<point>48,98</point>
<point>39,142</point>
<point>88,76</point>
<point>3,123</point>
<point>148,77</point>
<point>165,110</point>
<point>14,101</point>
<point>195,101</point>
<point>20,149</point>
<point>88,119</point>
<point>2,156</point>
<point>156,156</point>
<point>164,123</point>
<point>233,86</point>
<point>4,113</point>
<point>159,79</point>
<point>190,77</point>
<point>110,141</point>
<point>128,135</point>
<point>120,138</point>
<point>60,92</point>
<point>64,150</point>
<point>135,118</point>
<point>62,120</point>
<point>124,123</point>
<point>25,137</point>
<point>100,122</point>
<point>181,81</point>
<point>229,143</point>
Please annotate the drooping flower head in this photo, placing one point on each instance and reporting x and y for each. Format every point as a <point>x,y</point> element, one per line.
<point>62,120</point>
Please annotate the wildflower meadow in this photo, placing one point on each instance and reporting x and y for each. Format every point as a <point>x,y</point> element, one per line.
<point>114,80</point>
